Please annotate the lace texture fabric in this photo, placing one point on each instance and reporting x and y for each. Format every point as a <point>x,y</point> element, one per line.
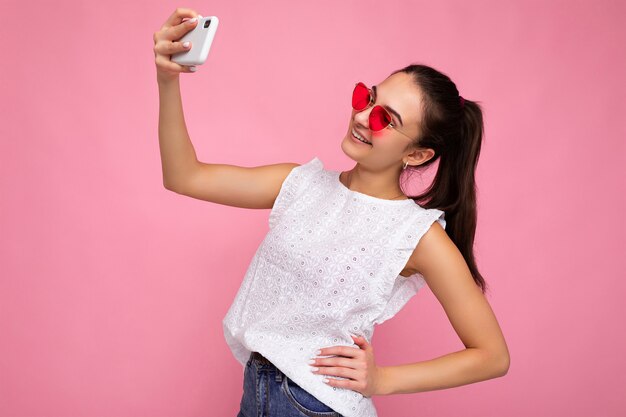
<point>328,267</point>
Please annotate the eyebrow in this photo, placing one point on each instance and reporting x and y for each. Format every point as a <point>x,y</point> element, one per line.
<point>389,108</point>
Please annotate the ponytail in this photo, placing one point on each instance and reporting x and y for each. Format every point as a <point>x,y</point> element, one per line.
<point>453,127</point>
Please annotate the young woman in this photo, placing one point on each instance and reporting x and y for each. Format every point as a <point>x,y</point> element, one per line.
<point>342,252</point>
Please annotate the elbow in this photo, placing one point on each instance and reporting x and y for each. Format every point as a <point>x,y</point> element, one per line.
<point>177,187</point>
<point>169,186</point>
<point>501,363</point>
<point>496,362</point>
<point>504,368</point>
<point>165,182</point>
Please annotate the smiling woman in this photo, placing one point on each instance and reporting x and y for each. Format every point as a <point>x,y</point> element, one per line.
<point>345,251</point>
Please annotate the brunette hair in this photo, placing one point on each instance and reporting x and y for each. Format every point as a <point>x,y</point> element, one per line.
<point>453,128</point>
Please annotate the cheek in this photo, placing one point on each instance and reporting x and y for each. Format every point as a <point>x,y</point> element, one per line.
<point>388,143</point>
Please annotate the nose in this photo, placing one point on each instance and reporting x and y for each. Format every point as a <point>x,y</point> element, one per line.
<point>362,117</point>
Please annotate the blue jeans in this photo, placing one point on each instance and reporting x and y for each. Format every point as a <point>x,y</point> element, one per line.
<point>267,392</point>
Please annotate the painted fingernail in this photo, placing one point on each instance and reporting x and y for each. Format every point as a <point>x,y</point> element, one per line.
<point>186,44</point>
<point>192,20</point>
<point>318,352</point>
<point>193,69</point>
<point>325,380</point>
<point>311,360</point>
<point>314,369</point>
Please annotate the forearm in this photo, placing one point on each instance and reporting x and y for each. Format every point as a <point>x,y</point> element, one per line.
<point>178,157</point>
<point>451,370</point>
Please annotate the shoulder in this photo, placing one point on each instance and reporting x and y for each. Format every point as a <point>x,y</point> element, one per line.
<point>440,262</point>
<point>433,245</point>
<point>307,168</point>
<point>294,174</point>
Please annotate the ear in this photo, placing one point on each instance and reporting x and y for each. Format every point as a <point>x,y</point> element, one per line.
<point>420,156</point>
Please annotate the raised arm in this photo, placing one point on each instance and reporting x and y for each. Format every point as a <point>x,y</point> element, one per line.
<point>247,187</point>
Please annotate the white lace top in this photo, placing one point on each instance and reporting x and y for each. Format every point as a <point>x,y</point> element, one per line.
<point>329,266</point>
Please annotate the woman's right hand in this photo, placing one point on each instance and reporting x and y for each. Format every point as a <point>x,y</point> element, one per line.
<point>165,43</point>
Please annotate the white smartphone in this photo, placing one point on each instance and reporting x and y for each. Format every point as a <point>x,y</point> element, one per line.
<point>201,38</point>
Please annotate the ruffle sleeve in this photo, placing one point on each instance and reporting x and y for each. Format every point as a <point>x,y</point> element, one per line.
<point>294,185</point>
<point>404,288</point>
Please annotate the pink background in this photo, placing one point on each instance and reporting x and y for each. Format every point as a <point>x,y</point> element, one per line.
<point>113,289</point>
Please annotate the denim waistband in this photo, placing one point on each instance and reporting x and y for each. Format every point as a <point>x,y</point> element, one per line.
<point>257,357</point>
<point>264,365</point>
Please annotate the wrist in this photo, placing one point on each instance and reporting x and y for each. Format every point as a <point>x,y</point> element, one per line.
<point>167,80</point>
<point>383,381</point>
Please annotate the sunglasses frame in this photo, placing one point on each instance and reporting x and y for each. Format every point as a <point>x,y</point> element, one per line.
<point>372,101</point>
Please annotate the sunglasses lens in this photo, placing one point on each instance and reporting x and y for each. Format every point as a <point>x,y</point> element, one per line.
<point>360,97</point>
<point>379,118</point>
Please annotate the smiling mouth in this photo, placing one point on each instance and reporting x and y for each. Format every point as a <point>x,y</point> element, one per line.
<point>358,137</point>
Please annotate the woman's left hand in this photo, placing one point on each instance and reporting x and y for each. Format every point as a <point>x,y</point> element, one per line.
<point>356,364</point>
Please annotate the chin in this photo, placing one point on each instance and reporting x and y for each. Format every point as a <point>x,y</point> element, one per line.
<point>349,148</point>
<point>346,144</point>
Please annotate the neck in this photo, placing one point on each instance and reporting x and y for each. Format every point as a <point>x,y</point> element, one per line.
<point>396,195</point>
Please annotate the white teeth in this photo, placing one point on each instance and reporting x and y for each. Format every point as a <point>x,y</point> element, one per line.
<point>359,137</point>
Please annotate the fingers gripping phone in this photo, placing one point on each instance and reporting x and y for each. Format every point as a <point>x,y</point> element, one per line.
<point>201,38</point>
